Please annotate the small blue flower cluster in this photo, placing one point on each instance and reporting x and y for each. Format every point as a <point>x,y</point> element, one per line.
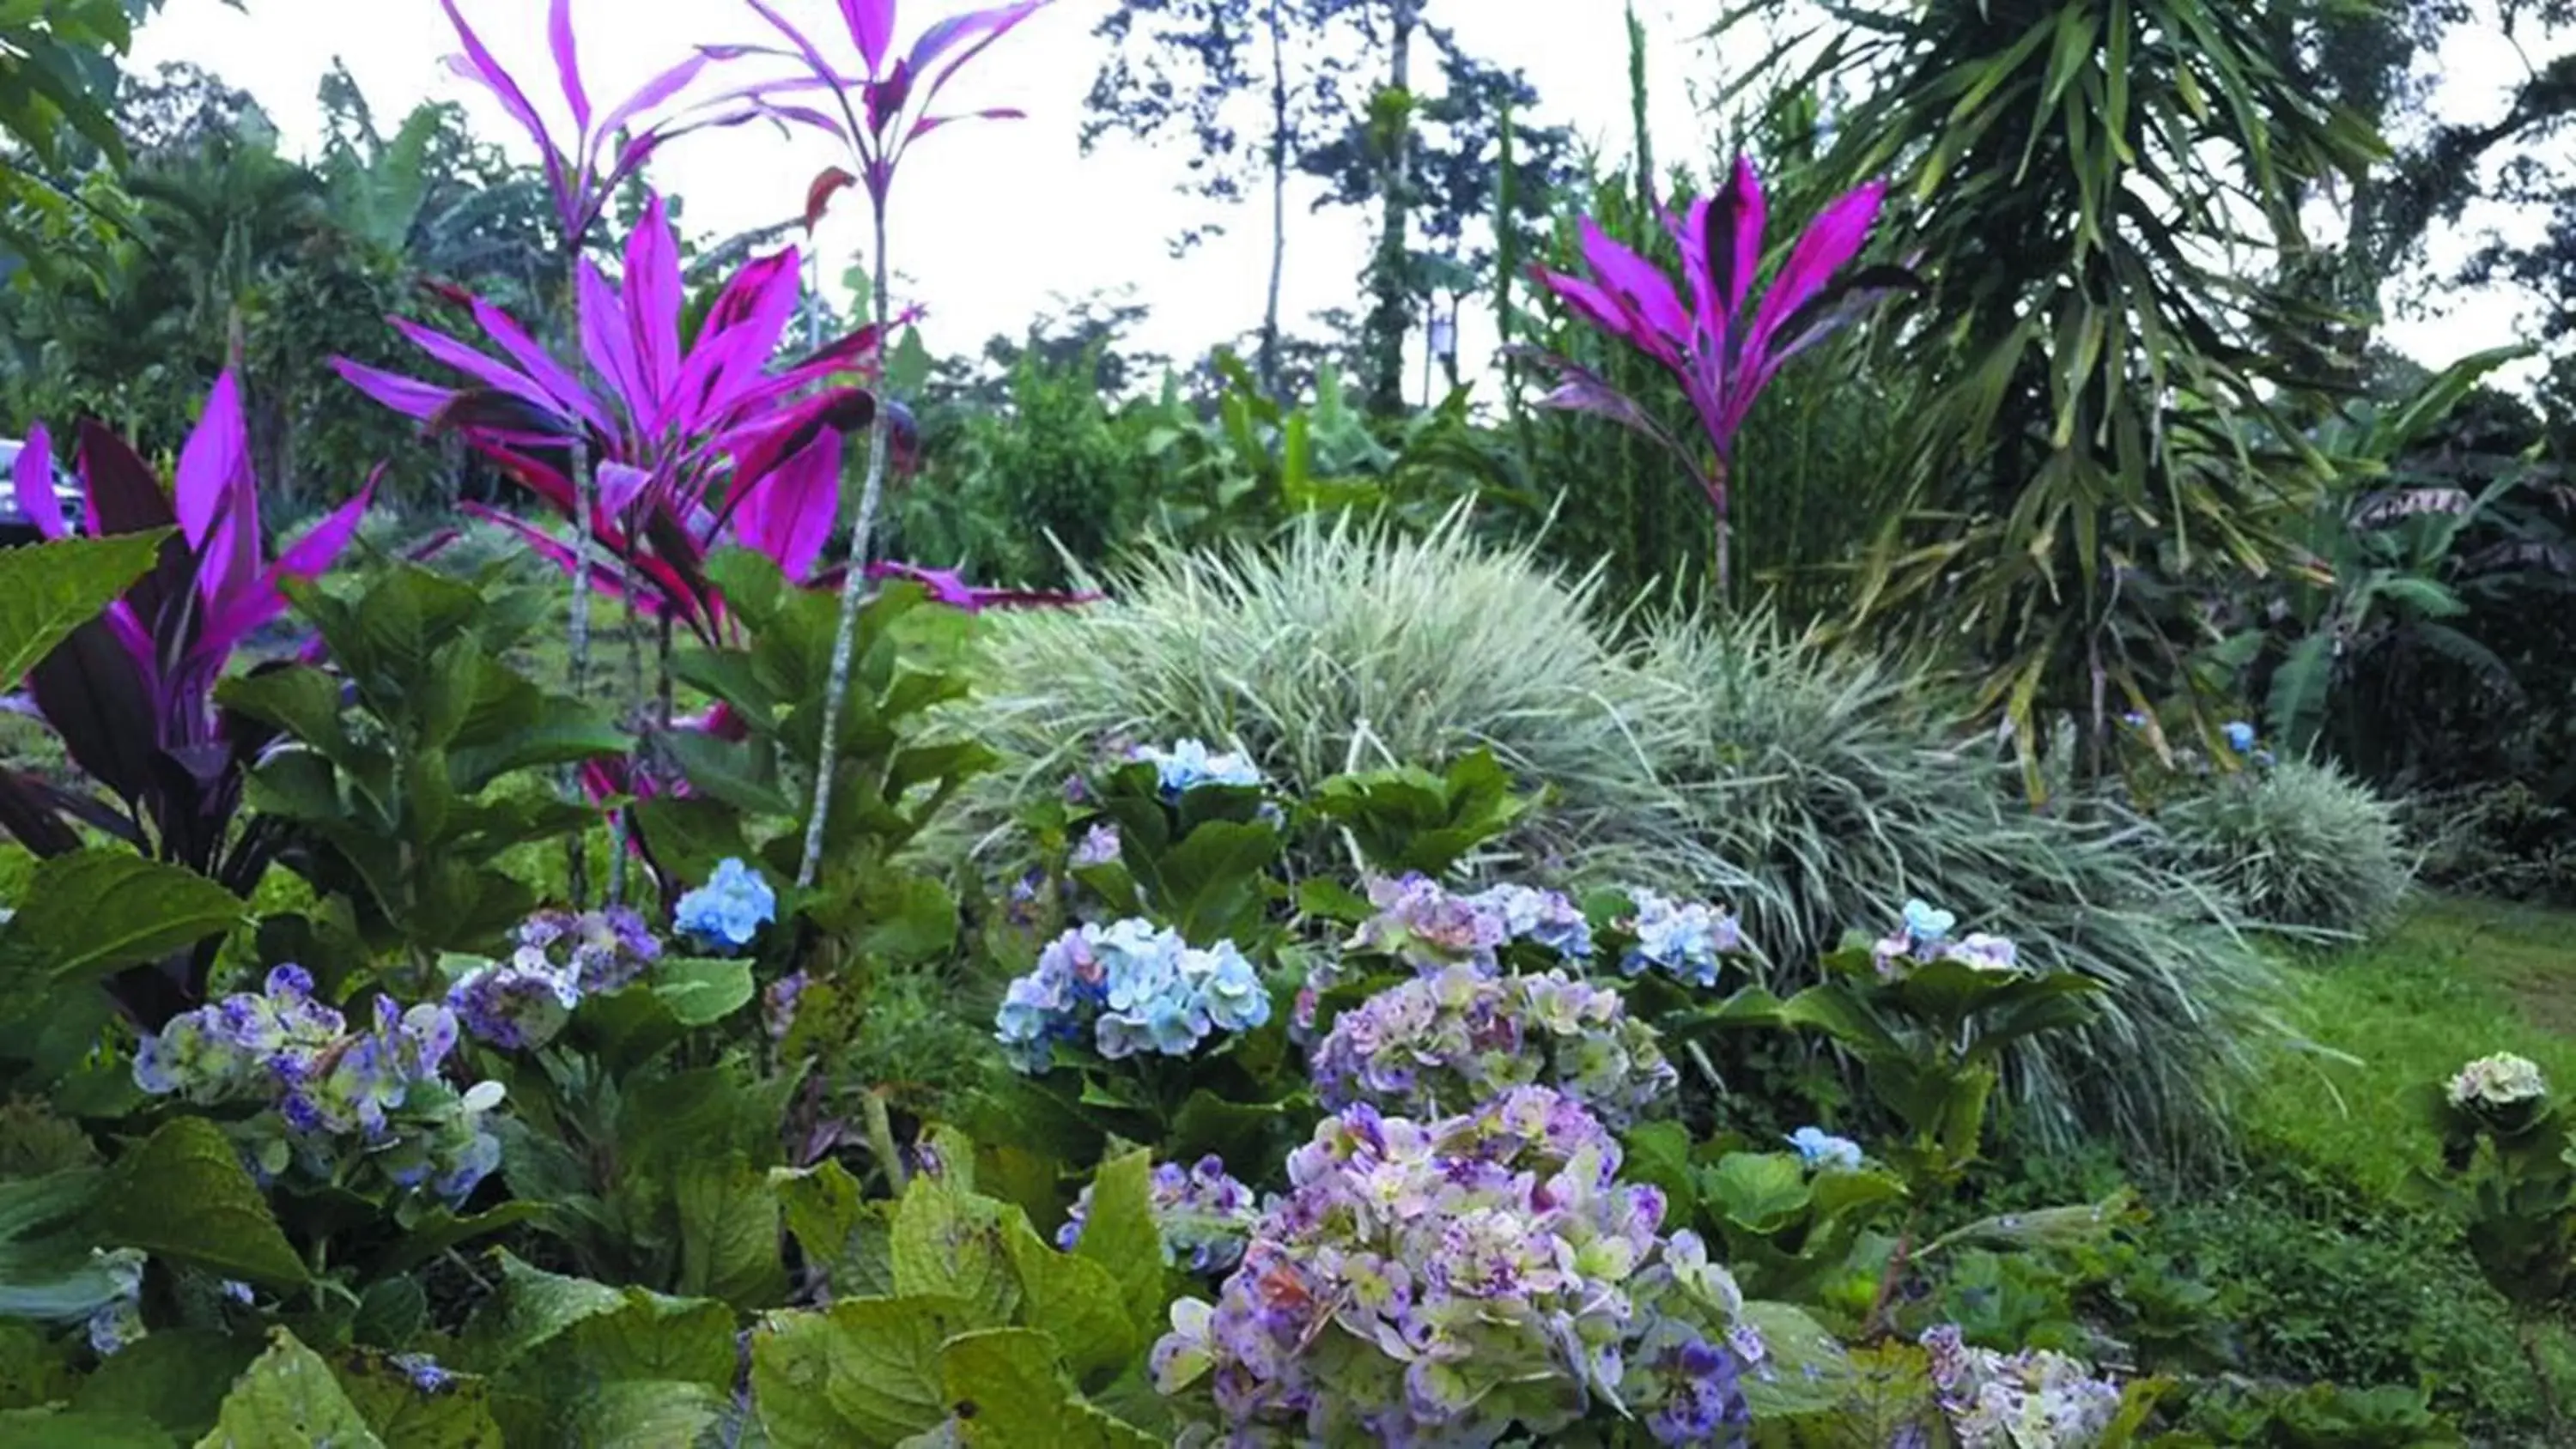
<point>1126,988</point>
<point>336,1101</point>
<point>728,911</point>
<point>113,1326</point>
<point>1823,1151</point>
<point>1189,764</point>
<point>523,1003</point>
<point>1924,936</point>
<point>1205,1216</point>
<point>1686,940</point>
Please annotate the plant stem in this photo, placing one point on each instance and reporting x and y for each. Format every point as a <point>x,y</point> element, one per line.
<point>854,582</point>
<point>872,1106</point>
<point>1873,1325</point>
<point>2540,1377</point>
<point>577,628</point>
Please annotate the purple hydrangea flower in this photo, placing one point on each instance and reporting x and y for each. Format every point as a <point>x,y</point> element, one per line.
<point>1445,1042</point>
<point>2001,1401</point>
<point>1924,935</point>
<point>1686,940</point>
<point>1459,1281</point>
<point>602,950</point>
<point>1205,1216</point>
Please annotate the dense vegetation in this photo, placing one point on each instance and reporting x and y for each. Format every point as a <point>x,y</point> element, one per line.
<point>1887,832</point>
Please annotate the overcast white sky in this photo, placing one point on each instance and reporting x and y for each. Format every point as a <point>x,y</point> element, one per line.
<point>995,222</point>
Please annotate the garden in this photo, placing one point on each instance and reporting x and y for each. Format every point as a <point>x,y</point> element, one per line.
<point>1933,811</point>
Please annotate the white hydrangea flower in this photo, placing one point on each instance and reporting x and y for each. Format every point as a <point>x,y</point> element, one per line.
<point>2501,1080</point>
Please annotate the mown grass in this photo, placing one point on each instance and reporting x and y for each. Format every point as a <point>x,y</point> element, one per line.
<point>2456,979</point>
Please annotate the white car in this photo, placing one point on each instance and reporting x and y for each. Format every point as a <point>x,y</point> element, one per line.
<point>15,527</point>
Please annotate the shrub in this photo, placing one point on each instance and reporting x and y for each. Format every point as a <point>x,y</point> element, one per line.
<point>2303,845</point>
<point>1811,790</point>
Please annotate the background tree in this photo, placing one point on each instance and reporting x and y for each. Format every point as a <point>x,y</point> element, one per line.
<point>1189,68</point>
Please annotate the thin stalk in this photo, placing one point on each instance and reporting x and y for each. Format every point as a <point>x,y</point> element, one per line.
<point>853,586</point>
<point>577,628</point>
<point>1278,203</point>
<point>2540,1378</point>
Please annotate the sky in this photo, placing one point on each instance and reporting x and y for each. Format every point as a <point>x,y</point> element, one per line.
<point>996,223</point>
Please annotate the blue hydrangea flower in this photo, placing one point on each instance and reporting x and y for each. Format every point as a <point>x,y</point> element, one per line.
<point>1189,764</point>
<point>1127,988</point>
<point>1821,1149</point>
<point>423,1371</point>
<point>1928,924</point>
<point>1689,941</point>
<point>728,911</point>
<point>1229,989</point>
<point>2240,736</point>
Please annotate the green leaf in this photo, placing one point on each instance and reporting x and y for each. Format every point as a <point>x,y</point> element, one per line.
<point>176,1376</point>
<point>689,835</point>
<point>950,1244</point>
<point>1809,1371</point>
<point>864,1374</point>
<point>1120,1234</point>
<point>729,772</point>
<point>1660,1153</point>
<point>532,1308</point>
<point>842,1233</point>
<point>645,1411</point>
<point>49,589</point>
<point>80,1429</point>
<point>1075,1300</point>
<point>1005,1390</point>
<point>289,1396</point>
<point>225,1227</point>
<point>457,1415</point>
<point>728,1232</point>
<point>94,911</point>
<point>1761,1192</point>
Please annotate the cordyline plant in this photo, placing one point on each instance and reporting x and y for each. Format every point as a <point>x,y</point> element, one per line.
<point>883,106</point>
<point>1721,344</point>
<point>697,445</point>
<point>131,692</point>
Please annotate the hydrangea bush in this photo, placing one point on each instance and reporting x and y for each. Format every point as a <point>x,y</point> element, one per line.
<point>1458,1281</point>
<point>335,1106</point>
<point>1443,1043</point>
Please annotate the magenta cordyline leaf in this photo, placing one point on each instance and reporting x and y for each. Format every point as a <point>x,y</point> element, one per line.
<point>890,98</point>
<point>34,477</point>
<point>581,171</point>
<point>1722,358</point>
<point>948,587</point>
<point>684,438</point>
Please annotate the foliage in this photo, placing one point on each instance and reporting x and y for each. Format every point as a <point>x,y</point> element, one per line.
<point>2302,845</point>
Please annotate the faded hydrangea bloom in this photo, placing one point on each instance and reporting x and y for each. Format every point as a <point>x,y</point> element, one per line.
<point>335,1102</point>
<point>1126,988</point>
<point>1443,1043</point>
<point>2501,1080</point>
<point>1204,1214</point>
<point>2035,1399</point>
<point>1925,935</point>
<point>1462,1281</point>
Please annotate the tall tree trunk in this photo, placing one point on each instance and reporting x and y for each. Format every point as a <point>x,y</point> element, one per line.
<point>854,583</point>
<point>1278,200</point>
<point>1390,318</point>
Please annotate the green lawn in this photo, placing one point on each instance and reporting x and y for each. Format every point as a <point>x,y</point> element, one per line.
<point>2458,979</point>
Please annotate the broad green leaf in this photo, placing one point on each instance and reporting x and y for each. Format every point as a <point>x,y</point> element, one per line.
<point>289,1396</point>
<point>1006,1391</point>
<point>645,1411</point>
<point>863,1374</point>
<point>1810,1372</point>
<point>1120,1235</point>
<point>183,1194</point>
<point>49,1428</point>
<point>702,992</point>
<point>841,1232</point>
<point>1660,1153</point>
<point>1076,1301</point>
<point>1761,1192</point>
<point>456,1415</point>
<point>729,1243</point>
<point>176,1376</point>
<point>34,1370</point>
<point>532,1308</point>
<point>94,911</point>
<point>950,1244</point>
<point>49,589</point>
<point>654,1338</point>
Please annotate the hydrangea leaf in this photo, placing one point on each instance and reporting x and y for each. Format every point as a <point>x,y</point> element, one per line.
<point>861,1375</point>
<point>1074,1300</point>
<point>177,1377</point>
<point>1004,1389</point>
<point>455,1415</point>
<point>93,911</point>
<point>950,1244</point>
<point>729,1224</point>
<point>49,589</point>
<point>226,1227</point>
<point>644,1411</point>
<point>1660,1153</point>
<point>532,1308</point>
<point>289,1396</point>
<point>50,1428</point>
<point>847,1237</point>
<point>1758,1191</point>
<point>1120,1235</point>
<point>1810,1373</point>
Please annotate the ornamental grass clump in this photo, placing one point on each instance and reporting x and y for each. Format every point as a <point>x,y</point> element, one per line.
<point>1458,1281</point>
<point>2304,845</point>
